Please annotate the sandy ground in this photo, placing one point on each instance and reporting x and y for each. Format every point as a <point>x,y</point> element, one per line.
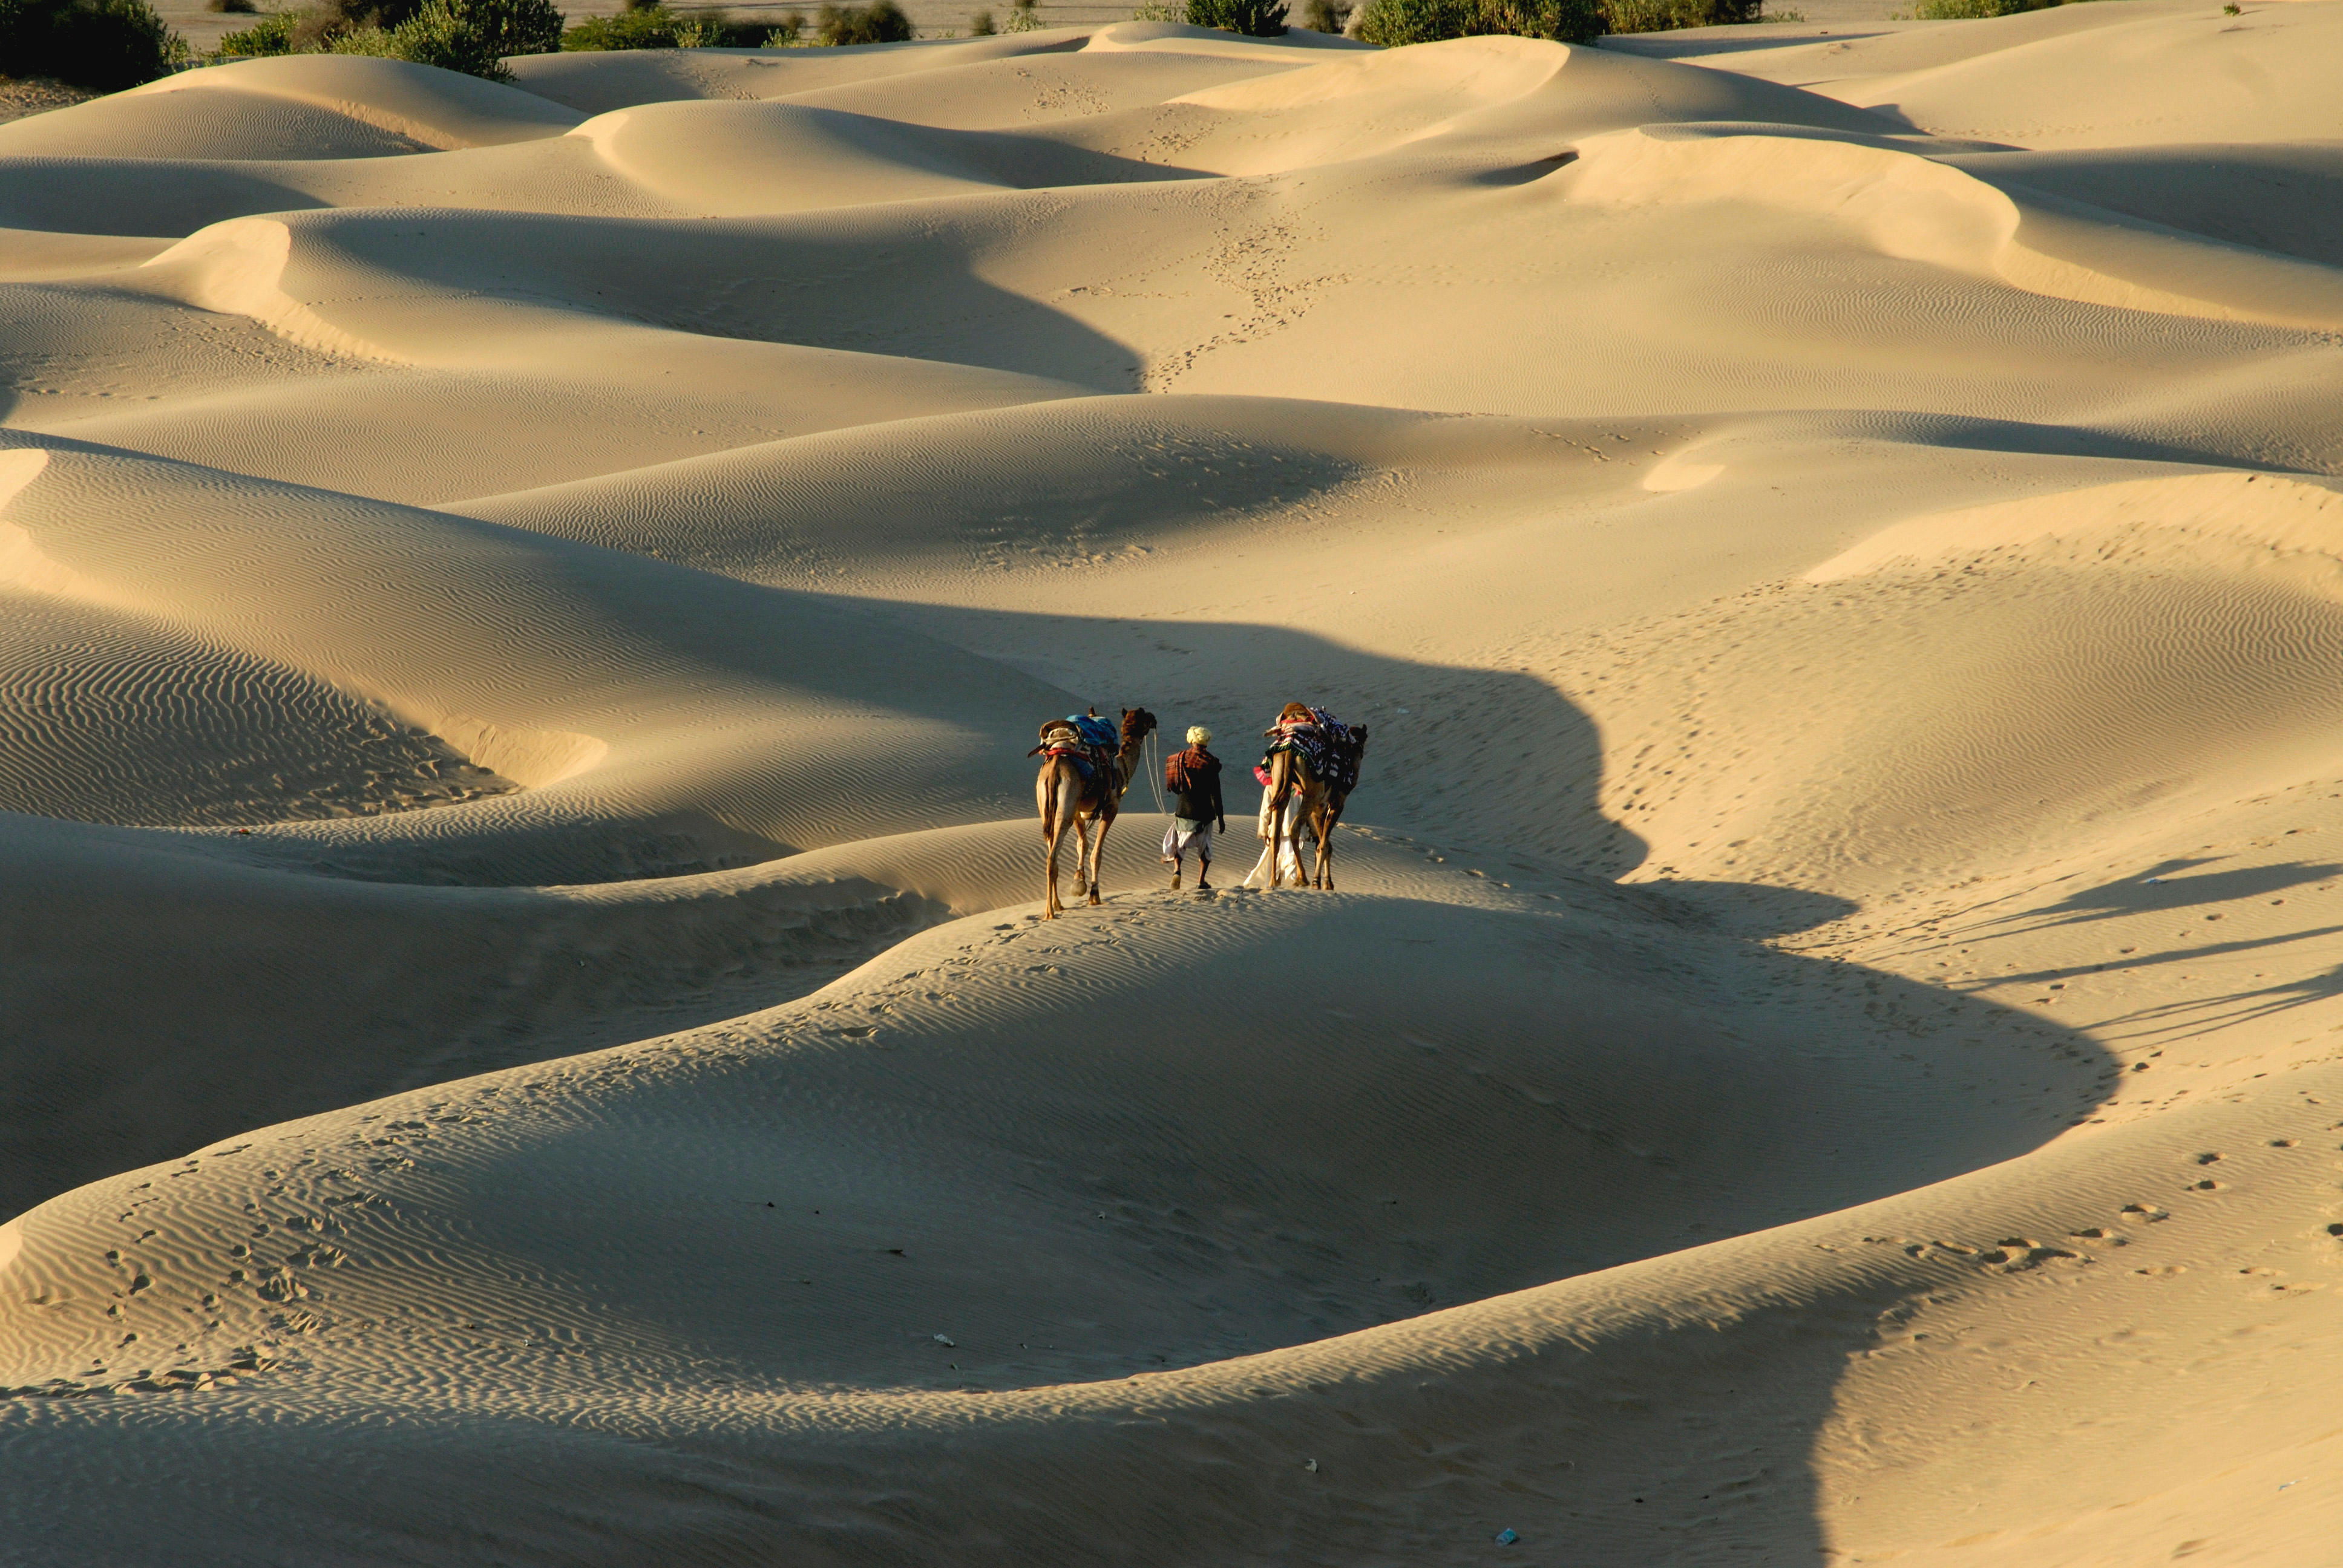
<point>528,1036</point>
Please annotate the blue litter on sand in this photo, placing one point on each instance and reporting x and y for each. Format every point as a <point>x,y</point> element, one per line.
<point>1506,1537</point>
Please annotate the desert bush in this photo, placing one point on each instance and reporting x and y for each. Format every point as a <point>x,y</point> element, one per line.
<point>1162,10</point>
<point>1022,18</point>
<point>1666,16</point>
<point>102,45</point>
<point>1966,10</point>
<point>880,22</point>
<point>654,27</point>
<point>1326,15</point>
<point>473,36</point>
<point>272,34</point>
<point>636,27</point>
<point>324,23</point>
<point>979,25</point>
<point>1393,23</point>
<point>232,7</point>
<point>1253,19</point>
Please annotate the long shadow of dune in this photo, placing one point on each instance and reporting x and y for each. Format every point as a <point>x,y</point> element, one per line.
<point>1678,46</point>
<point>1534,758</point>
<point>1444,741</point>
<point>161,198</point>
<point>841,278</point>
<point>2283,199</point>
<point>2173,884</point>
<point>1503,766</point>
<point>1976,434</point>
<point>174,198</point>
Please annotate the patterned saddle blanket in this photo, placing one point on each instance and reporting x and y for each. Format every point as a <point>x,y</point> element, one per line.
<point>1326,745</point>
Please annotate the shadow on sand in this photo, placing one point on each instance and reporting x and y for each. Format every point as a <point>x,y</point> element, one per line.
<point>1952,1083</point>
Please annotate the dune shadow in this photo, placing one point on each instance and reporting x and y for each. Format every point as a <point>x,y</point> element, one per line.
<point>1486,771</point>
<point>2172,884</point>
<point>1978,434</point>
<point>839,278</point>
<point>2283,199</point>
<point>157,197</point>
<point>1972,1083</point>
<point>1678,44</point>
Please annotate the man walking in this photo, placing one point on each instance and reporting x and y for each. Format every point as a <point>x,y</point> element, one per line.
<point>1194,780</point>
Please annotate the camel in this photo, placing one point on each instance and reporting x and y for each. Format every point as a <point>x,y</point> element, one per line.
<point>1067,798</point>
<point>1290,776</point>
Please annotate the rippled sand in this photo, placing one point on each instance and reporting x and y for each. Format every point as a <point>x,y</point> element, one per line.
<point>526,1036</point>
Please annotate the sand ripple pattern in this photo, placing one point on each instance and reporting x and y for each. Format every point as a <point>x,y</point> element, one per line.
<point>105,717</point>
<point>1827,1042</point>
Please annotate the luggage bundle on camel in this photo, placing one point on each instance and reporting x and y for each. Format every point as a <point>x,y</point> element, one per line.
<point>1331,749</point>
<point>1087,739</point>
<point>1314,758</point>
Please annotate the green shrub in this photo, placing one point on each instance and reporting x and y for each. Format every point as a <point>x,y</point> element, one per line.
<point>1393,23</point>
<point>1253,19</point>
<point>1022,18</point>
<point>473,36</point>
<point>636,27</point>
<point>1326,15</point>
<point>272,34</point>
<point>880,22</point>
<point>1966,10</point>
<point>233,8</point>
<point>1666,16</point>
<point>102,45</point>
<point>654,27</point>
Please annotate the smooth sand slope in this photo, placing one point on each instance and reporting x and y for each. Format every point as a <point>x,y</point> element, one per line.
<point>526,1036</point>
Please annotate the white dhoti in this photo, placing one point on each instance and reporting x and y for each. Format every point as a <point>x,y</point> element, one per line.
<point>1290,864</point>
<point>1182,836</point>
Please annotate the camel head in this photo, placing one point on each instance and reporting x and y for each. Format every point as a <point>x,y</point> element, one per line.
<point>1136,724</point>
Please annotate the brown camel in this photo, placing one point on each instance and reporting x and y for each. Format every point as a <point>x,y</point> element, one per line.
<point>1290,775</point>
<point>1067,798</point>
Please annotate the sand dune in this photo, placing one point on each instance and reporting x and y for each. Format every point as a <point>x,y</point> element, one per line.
<point>529,1035</point>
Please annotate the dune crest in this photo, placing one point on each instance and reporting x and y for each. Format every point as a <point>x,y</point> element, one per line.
<point>528,1033</point>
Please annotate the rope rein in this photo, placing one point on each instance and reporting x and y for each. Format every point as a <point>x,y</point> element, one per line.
<point>1155,774</point>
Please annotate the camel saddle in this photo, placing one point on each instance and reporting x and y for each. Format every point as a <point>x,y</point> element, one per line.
<point>1087,740</point>
<point>1325,745</point>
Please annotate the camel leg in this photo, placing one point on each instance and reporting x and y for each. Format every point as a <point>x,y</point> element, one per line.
<point>1050,879</point>
<point>1098,853</point>
<point>1051,827</point>
<point>1081,855</point>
